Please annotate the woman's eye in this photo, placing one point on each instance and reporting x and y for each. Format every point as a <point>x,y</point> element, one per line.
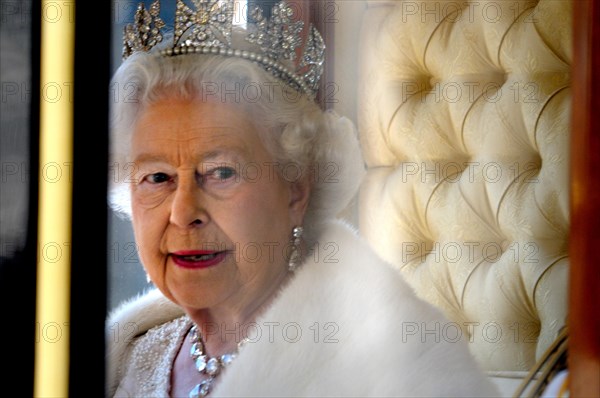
<point>158,178</point>
<point>223,173</point>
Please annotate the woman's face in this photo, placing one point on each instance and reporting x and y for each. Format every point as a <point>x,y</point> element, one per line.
<point>212,216</point>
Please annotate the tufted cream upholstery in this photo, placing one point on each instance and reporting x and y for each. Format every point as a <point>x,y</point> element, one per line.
<point>464,120</point>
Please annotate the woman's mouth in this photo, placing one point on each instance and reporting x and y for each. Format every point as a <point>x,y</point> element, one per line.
<point>197,258</point>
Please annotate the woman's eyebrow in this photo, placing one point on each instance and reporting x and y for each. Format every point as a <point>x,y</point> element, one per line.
<point>149,158</point>
<point>237,152</point>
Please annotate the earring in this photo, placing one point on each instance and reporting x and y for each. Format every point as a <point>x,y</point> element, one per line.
<point>296,255</point>
<point>148,278</point>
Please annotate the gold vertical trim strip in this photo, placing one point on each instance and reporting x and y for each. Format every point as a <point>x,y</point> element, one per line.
<point>51,378</point>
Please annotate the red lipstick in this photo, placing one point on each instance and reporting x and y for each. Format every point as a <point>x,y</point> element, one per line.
<point>197,259</point>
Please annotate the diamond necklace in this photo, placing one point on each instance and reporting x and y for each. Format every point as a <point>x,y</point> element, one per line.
<point>210,366</point>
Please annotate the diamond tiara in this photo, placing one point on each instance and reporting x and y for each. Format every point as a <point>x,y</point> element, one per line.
<point>207,29</point>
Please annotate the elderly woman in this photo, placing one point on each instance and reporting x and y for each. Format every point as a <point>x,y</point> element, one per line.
<point>236,177</point>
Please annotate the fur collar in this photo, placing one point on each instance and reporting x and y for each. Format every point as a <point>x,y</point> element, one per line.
<point>346,325</point>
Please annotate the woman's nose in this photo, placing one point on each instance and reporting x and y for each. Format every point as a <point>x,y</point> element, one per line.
<point>187,208</point>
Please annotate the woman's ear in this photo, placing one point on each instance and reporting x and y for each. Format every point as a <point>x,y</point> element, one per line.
<point>300,190</point>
